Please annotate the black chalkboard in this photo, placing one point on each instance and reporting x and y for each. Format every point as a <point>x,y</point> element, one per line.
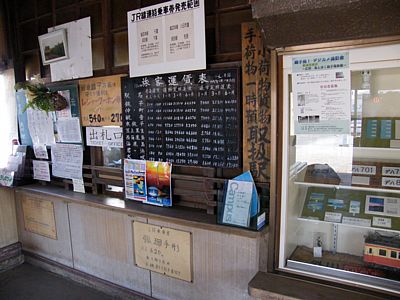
<point>190,118</point>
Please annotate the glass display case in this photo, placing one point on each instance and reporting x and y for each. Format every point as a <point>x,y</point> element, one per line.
<point>340,181</point>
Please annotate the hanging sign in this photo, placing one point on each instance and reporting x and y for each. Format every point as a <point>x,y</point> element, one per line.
<point>321,94</point>
<point>167,37</point>
<point>100,100</point>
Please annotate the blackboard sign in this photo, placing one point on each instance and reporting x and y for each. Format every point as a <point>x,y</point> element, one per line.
<point>190,118</point>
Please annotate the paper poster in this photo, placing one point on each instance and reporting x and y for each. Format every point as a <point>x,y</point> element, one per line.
<point>67,160</point>
<point>79,185</point>
<point>148,181</point>
<point>69,130</point>
<point>79,63</point>
<point>167,37</point>
<point>41,170</point>
<point>158,182</point>
<point>40,151</point>
<point>321,94</point>
<point>100,100</point>
<point>41,127</point>
<point>238,197</point>
<point>380,205</point>
<point>135,179</point>
<point>104,137</point>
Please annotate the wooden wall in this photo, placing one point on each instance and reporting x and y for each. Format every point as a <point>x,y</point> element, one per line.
<point>8,225</point>
<point>99,242</point>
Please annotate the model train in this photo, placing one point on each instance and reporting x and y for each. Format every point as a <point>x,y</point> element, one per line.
<point>382,251</point>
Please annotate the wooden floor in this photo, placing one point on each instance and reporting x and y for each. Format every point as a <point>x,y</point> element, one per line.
<point>29,282</point>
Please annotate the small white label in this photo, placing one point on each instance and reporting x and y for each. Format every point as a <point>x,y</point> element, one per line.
<point>391,171</point>
<point>382,222</point>
<point>261,220</point>
<point>356,221</point>
<point>391,181</point>
<point>363,170</point>
<point>79,185</point>
<point>362,180</point>
<point>317,251</point>
<point>333,217</point>
<point>394,143</point>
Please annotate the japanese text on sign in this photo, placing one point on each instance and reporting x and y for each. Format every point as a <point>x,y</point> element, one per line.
<point>256,103</point>
<point>185,118</point>
<point>101,101</point>
<point>163,250</point>
<point>104,137</point>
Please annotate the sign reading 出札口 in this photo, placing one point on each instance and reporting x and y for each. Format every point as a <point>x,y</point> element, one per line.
<point>104,137</point>
<point>100,100</point>
<point>167,37</point>
<point>163,250</point>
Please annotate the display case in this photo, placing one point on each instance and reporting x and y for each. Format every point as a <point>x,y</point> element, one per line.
<point>340,166</point>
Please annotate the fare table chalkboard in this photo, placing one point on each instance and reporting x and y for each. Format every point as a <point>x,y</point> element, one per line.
<point>190,118</point>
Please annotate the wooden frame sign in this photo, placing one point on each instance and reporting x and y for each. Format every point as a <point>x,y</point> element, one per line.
<point>100,100</point>
<point>39,217</point>
<point>163,250</point>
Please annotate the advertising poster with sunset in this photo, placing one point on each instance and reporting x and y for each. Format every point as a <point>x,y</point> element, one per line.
<point>158,179</point>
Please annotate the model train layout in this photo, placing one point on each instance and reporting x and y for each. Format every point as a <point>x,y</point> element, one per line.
<point>382,251</point>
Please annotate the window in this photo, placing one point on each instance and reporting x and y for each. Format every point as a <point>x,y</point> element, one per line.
<point>382,252</point>
<point>393,254</point>
<point>370,250</point>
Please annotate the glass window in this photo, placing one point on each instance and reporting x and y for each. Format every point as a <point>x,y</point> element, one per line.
<point>341,165</point>
<point>393,254</point>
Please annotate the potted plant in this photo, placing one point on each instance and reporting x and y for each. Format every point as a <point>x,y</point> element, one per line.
<point>42,98</point>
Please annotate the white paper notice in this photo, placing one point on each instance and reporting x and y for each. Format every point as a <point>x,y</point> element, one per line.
<point>104,137</point>
<point>79,185</point>
<point>69,130</point>
<point>356,221</point>
<point>167,38</point>
<point>382,222</point>
<point>40,151</point>
<point>321,93</point>
<point>67,160</point>
<point>40,126</point>
<point>333,217</point>
<point>237,203</point>
<point>41,170</point>
<point>79,63</point>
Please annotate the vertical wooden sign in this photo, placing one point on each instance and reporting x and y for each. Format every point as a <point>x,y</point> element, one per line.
<point>256,103</point>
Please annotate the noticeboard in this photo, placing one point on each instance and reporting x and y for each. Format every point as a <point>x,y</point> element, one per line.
<point>190,118</point>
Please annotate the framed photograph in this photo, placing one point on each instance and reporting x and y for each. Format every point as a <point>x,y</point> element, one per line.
<point>53,46</point>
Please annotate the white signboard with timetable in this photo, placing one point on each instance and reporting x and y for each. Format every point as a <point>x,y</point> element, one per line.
<point>167,37</point>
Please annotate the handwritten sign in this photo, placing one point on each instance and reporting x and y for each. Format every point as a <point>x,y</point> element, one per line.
<point>41,170</point>
<point>256,103</point>
<point>163,250</point>
<point>39,217</point>
<point>104,137</point>
<point>190,118</point>
<point>101,101</point>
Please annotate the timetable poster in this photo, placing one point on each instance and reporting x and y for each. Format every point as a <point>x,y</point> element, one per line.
<point>167,37</point>
<point>190,118</point>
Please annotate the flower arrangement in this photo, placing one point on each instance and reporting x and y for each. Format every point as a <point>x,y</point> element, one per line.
<point>41,98</point>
